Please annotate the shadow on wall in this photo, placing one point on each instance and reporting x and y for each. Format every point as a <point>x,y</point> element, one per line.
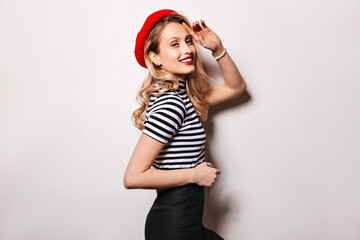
<point>217,205</point>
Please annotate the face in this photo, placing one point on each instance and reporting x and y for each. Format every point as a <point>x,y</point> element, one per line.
<point>176,51</point>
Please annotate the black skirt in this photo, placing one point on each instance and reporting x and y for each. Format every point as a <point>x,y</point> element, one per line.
<point>177,215</point>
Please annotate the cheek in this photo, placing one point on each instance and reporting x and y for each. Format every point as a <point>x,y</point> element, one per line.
<point>193,50</point>
<point>172,55</point>
<point>168,54</point>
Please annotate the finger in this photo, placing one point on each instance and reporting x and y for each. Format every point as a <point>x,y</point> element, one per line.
<point>190,31</point>
<point>196,27</point>
<point>187,28</point>
<point>209,164</point>
<point>203,24</point>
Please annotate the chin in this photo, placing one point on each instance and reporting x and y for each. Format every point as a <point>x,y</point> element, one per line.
<point>184,71</point>
<point>189,70</point>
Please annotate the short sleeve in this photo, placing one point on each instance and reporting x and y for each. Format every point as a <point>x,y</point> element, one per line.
<point>165,118</point>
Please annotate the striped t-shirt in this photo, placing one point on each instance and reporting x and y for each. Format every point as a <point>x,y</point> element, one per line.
<point>171,119</point>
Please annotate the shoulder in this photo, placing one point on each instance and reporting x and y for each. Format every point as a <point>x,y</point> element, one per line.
<point>169,100</point>
<point>165,117</point>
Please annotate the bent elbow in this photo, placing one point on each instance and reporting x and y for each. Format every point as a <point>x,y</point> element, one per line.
<point>242,88</point>
<point>127,185</point>
<point>236,91</point>
<point>128,182</point>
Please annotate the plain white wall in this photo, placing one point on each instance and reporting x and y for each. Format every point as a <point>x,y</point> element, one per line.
<point>288,147</point>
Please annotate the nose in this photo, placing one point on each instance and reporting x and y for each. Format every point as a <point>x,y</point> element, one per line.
<point>186,49</point>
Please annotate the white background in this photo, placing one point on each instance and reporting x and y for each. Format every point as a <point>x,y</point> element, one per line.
<point>288,147</point>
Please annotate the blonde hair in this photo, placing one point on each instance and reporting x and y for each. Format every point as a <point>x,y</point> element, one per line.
<point>196,82</point>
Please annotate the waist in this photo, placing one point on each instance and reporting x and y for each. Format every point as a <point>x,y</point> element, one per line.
<point>185,198</point>
<point>179,160</point>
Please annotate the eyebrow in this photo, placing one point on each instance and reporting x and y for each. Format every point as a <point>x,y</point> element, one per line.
<point>177,38</point>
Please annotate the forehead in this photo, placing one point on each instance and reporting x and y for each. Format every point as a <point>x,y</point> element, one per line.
<point>173,30</point>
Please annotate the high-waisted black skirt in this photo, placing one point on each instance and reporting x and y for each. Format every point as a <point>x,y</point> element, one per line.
<point>177,215</point>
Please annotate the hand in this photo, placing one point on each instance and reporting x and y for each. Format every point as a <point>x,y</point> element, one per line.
<point>205,37</point>
<point>205,174</point>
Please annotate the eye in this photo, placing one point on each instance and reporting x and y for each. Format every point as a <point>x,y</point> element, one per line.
<point>174,44</point>
<point>189,40</point>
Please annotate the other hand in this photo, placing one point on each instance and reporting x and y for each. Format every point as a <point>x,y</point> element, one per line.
<point>205,36</point>
<point>205,174</point>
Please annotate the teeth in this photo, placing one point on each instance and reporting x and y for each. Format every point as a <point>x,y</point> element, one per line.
<point>187,60</point>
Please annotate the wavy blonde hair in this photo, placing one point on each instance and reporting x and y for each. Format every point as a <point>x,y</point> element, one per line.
<point>159,79</point>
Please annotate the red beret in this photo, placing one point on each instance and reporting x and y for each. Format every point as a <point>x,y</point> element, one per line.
<point>141,37</point>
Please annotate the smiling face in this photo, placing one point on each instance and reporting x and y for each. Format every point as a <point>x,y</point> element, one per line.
<point>176,51</point>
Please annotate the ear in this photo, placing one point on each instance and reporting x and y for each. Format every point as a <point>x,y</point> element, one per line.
<point>155,58</point>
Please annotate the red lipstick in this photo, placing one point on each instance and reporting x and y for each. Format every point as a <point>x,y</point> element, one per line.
<point>187,60</point>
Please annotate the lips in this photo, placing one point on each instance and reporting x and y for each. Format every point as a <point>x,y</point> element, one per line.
<point>187,60</point>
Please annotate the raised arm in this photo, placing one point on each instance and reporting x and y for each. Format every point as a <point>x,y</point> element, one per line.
<point>233,84</point>
<point>139,173</point>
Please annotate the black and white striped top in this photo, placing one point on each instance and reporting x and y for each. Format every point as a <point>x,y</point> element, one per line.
<point>171,119</point>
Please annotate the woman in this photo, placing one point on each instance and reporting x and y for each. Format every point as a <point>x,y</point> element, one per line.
<point>170,154</point>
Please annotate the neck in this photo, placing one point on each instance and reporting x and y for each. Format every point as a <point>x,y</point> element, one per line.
<point>180,76</point>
